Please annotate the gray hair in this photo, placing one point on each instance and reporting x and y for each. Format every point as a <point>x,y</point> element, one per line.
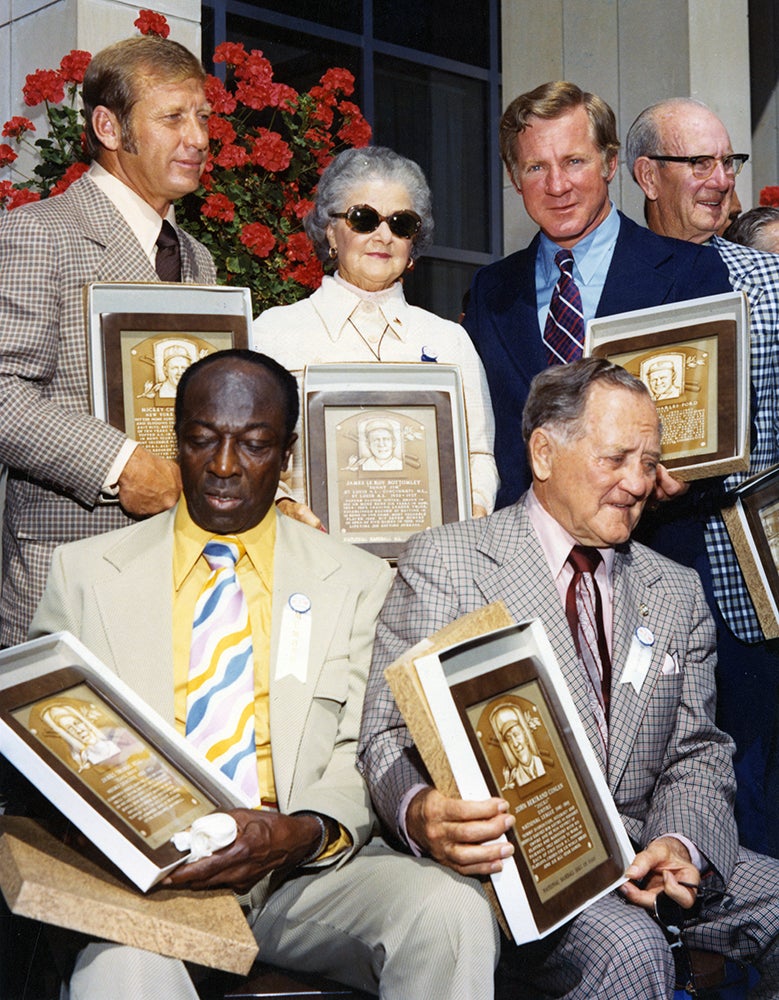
<point>353,167</point>
<point>748,228</point>
<point>558,394</point>
<point>643,138</point>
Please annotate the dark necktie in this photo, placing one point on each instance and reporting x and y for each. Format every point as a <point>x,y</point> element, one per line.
<point>584,611</point>
<point>564,330</point>
<point>168,262</point>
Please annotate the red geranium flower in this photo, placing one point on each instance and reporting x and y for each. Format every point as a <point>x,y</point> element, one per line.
<point>302,207</point>
<point>253,94</point>
<point>220,129</point>
<point>74,64</point>
<point>338,79</point>
<point>232,53</point>
<point>17,126</point>
<point>355,130</point>
<point>74,171</point>
<point>149,22</point>
<point>269,150</point>
<point>282,96</point>
<point>256,67</point>
<point>43,85</point>
<point>219,97</point>
<point>257,238</point>
<point>299,247</point>
<point>219,206</point>
<point>22,196</point>
<point>769,195</point>
<point>7,155</point>
<point>230,156</point>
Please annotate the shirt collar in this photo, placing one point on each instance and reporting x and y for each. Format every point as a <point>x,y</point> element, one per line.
<point>555,540</point>
<point>137,213</point>
<point>337,300</point>
<point>189,540</point>
<point>587,254</point>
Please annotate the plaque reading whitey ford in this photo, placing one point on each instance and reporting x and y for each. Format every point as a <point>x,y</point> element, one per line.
<point>125,772</point>
<point>386,482</point>
<point>555,831</point>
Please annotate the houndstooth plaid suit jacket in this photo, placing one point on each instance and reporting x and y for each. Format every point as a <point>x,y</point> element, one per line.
<point>669,767</point>
<point>58,455</point>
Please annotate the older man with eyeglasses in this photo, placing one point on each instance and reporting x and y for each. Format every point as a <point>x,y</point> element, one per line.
<point>680,154</point>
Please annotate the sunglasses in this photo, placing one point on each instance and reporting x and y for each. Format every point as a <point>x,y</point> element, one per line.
<point>364,219</point>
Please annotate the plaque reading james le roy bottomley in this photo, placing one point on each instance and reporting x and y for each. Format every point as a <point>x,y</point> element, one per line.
<point>507,725</point>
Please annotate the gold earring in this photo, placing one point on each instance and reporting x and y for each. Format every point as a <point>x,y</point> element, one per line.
<point>411,264</point>
<point>332,253</point>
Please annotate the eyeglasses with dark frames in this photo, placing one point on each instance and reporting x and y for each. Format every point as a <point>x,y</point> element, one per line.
<point>704,166</point>
<point>365,219</point>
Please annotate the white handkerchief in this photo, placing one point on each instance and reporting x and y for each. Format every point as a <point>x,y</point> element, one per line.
<point>206,835</point>
<point>670,664</point>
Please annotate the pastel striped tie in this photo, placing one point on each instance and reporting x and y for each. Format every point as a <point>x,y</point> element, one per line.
<point>220,685</point>
<point>564,330</point>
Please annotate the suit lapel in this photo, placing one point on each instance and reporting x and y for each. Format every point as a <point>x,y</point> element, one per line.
<point>514,307</point>
<point>144,561</point>
<point>638,600</point>
<point>297,571</point>
<point>633,280</point>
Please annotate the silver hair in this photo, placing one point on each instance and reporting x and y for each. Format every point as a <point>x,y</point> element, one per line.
<point>354,167</point>
<point>748,228</point>
<point>558,395</point>
<point>643,138</point>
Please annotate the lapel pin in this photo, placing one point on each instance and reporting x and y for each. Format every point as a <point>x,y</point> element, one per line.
<point>643,610</point>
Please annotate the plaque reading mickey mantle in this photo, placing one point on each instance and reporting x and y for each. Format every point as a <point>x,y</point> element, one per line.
<point>493,711</point>
<point>125,778</point>
<point>142,337</point>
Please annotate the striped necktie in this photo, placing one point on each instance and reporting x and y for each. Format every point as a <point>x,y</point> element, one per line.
<point>220,685</point>
<point>584,611</point>
<point>564,330</point>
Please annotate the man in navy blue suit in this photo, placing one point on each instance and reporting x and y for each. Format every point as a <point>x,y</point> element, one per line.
<point>560,148</point>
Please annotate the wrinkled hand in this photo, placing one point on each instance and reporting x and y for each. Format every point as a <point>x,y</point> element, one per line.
<point>663,866</point>
<point>666,487</point>
<point>148,484</point>
<point>460,834</point>
<point>299,512</point>
<point>266,841</point>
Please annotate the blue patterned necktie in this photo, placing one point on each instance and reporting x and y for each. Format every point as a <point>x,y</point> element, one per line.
<point>564,330</point>
<point>220,685</point>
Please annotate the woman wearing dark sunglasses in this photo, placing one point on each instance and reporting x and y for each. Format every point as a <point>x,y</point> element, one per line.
<point>371,220</point>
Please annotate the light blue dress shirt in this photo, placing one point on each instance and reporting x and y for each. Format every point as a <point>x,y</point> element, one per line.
<point>591,261</point>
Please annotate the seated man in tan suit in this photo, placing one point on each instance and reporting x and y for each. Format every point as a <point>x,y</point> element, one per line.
<point>385,923</point>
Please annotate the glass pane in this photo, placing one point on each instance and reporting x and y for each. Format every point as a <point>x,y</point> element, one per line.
<point>440,120</point>
<point>298,60</point>
<point>458,30</point>
<point>346,14</point>
<point>439,285</point>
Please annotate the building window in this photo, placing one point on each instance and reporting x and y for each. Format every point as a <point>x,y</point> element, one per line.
<point>428,80</point>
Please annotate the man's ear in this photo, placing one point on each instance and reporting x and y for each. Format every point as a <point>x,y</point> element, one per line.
<point>540,453</point>
<point>106,128</point>
<point>612,169</point>
<point>645,173</point>
<point>288,452</point>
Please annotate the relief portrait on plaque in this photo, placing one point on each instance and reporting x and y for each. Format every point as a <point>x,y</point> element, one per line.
<point>129,777</point>
<point>383,473</point>
<point>682,379</point>
<point>523,762</point>
<point>156,366</point>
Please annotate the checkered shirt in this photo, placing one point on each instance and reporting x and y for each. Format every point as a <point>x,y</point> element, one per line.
<point>756,274</point>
